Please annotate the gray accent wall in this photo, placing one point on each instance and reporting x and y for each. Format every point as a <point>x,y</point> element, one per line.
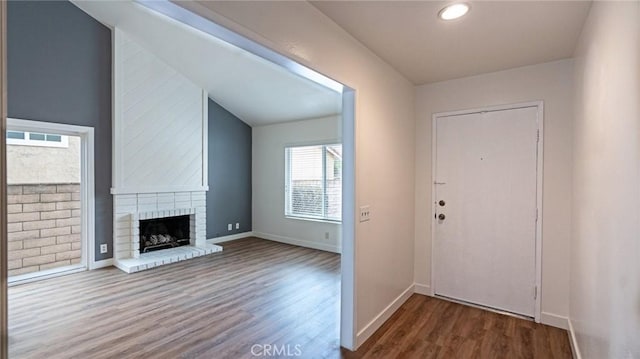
<point>229,195</point>
<point>59,70</point>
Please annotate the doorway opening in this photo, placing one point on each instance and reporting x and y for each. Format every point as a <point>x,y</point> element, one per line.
<point>50,191</point>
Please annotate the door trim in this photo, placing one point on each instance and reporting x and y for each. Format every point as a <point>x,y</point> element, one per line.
<point>87,181</point>
<point>539,179</point>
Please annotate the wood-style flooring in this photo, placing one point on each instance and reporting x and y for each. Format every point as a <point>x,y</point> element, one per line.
<point>426,327</point>
<point>256,294</point>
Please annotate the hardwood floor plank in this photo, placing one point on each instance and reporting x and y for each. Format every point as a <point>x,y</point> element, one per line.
<point>254,292</point>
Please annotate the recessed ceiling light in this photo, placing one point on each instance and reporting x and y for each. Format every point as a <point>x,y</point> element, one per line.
<point>453,11</point>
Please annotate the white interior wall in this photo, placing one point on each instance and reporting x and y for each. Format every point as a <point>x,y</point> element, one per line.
<point>605,247</point>
<point>268,183</point>
<point>550,82</point>
<point>385,122</point>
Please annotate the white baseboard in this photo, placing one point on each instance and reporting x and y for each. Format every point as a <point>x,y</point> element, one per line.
<point>383,316</point>
<point>101,264</point>
<point>230,237</point>
<point>421,289</point>
<point>45,274</point>
<point>298,242</point>
<point>575,350</point>
<point>554,320</point>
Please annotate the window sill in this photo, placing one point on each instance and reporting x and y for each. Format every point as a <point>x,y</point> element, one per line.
<point>328,221</point>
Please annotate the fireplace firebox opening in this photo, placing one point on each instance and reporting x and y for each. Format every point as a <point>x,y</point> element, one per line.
<point>163,233</point>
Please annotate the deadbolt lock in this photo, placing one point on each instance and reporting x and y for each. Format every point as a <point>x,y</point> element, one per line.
<point>441,216</point>
<point>441,203</point>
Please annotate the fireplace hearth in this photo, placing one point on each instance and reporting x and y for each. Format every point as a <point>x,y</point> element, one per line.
<point>163,233</point>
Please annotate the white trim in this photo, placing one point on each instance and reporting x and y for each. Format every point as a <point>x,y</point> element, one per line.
<point>384,315</point>
<point>117,160</point>
<point>348,299</point>
<point>27,141</point>
<point>87,177</point>
<point>554,320</point>
<point>230,237</point>
<point>298,242</point>
<point>87,186</point>
<point>158,189</point>
<point>423,289</point>
<point>575,349</point>
<point>205,140</point>
<point>45,274</point>
<point>539,179</point>
<point>102,263</point>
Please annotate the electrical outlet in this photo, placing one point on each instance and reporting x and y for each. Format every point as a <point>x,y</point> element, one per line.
<point>103,248</point>
<point>326,235</point>
<point>237,225</point>
<point>365,213</point>
<point>229,227</point>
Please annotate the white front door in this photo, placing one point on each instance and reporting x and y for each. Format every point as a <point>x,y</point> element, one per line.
<point>486,194</point>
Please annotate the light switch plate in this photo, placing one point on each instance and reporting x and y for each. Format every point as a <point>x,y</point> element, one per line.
<point>365,213</point>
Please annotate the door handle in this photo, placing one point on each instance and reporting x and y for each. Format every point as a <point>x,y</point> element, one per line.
<point>441,216</point>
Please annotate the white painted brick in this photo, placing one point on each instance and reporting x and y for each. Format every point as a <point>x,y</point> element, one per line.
<point>123,224</point>
<point>121,232</point>
<point>166,197</point>
<point>183,204</point>
<point>148,198</point>
<point>183,196</point>
<point>198,196</point>
<point>147,207</point>
<point>125,210</point>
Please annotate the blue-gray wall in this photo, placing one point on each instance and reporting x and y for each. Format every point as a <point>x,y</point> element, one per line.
<point>229,196</point>
<point>59,70</point>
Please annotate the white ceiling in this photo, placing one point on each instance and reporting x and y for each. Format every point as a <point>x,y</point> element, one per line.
<point>257,91</point>
<point>494,35</point>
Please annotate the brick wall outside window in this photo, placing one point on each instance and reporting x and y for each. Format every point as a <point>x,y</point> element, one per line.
<point>44,226</point>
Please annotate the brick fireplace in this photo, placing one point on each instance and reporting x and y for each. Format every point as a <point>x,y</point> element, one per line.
<point>131,208</point>
<point>159,155</point>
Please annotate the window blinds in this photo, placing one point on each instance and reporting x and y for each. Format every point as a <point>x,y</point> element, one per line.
<point>314,182</point>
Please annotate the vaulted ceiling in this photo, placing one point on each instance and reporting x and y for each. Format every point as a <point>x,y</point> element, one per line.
<point>257,91</point>
<point>494,35</point>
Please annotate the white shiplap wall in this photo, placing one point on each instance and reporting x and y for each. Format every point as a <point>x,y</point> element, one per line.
<point>160,124</point>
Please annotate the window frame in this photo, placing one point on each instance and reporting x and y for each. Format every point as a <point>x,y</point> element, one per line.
<point>287,183</point>
<point>27,141</point>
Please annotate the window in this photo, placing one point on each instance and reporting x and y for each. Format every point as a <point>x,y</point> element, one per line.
<point>313,187</point>
<point>23,138</point>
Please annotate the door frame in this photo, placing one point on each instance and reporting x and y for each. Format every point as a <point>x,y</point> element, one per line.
<point>87,189</point>
<point>539,179</point>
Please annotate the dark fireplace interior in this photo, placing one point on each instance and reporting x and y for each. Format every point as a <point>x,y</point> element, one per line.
<point>162,233</point>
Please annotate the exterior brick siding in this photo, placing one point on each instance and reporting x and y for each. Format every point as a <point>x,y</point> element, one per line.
<point>44,226</point>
